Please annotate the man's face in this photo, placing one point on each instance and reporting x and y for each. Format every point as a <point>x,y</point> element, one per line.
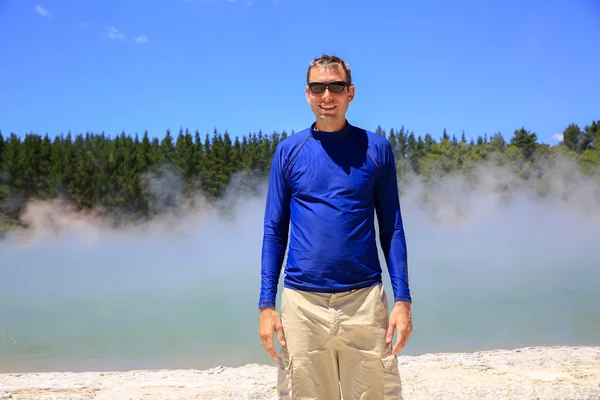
<point>329,108</point>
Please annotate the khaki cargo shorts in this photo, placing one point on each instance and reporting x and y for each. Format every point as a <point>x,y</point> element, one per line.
<point>335,346</point>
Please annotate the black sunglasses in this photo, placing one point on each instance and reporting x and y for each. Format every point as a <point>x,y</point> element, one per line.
<point>334,87</point>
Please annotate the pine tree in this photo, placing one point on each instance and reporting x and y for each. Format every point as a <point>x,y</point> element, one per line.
<point>525,141</point>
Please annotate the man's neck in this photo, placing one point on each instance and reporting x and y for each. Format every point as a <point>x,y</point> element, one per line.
<point>330,127</point>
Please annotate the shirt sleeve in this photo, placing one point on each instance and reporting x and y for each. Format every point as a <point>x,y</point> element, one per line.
<point>276,225</point>
<point>391,228</point>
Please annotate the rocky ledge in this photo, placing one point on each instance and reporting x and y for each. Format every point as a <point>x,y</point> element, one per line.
<point>548,373</point>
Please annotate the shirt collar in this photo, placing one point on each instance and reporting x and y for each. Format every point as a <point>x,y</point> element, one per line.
<point>320,135</point>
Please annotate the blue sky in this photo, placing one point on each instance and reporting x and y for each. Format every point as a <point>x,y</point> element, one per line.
<point>134,65</point>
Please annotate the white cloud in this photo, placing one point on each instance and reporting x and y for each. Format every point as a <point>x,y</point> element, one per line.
<point>558,137</point>
<point>42,11</point>
<point>113,33</point>
<point>141,39</point>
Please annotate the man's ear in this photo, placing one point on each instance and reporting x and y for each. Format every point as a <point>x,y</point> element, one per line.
<point>351,93</point>
<point>306,91</point>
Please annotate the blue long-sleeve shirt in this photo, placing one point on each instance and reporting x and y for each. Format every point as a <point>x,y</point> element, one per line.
<point>328,186</point>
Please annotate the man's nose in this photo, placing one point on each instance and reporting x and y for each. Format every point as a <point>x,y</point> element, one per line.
<point>327,94</point>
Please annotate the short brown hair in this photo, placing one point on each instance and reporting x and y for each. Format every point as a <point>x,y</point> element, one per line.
<point>327,61</point>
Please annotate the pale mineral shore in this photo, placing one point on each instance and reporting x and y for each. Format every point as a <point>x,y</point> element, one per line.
<point>544,373</point>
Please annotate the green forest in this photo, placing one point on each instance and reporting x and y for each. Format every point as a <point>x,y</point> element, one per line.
<point>137,177</point>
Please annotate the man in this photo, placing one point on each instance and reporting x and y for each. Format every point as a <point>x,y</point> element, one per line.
<point>328,181</point>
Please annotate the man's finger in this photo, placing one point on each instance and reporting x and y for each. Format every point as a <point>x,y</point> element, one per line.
<point>402,340</point>
<point>268,345</point>
<point>390,331</point>
<point>400,343</point>
<point>280,335</point>
<point>267,341</point>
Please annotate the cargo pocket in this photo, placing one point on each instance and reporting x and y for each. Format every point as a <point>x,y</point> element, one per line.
<point>284,376</point>
<point>392,386</point>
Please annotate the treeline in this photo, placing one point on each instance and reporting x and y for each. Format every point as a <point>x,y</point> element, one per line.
<point>141,176</point>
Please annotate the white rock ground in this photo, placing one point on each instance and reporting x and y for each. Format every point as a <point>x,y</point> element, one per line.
<point>543,373</point>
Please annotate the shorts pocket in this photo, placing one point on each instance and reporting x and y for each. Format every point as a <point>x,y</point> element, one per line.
<point>392,385</point>
<point>285,380</point>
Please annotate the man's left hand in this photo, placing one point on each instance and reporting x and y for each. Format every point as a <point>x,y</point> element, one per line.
<point>400,320</point>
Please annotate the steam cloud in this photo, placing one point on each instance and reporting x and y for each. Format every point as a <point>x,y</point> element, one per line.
<point>447,201</point>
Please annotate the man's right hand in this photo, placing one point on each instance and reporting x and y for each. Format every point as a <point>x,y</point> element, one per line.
<point>270,322</point>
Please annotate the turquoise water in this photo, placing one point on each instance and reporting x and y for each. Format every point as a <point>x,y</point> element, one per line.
<point>528,275</point>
